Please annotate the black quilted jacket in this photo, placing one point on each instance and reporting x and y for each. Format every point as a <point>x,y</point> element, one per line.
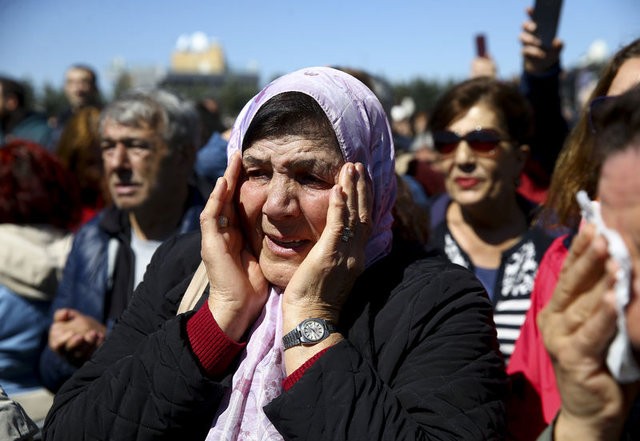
<point>419,361</point>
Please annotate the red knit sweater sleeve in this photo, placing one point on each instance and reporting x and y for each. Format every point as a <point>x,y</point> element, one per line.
<point>288,382</point>
<point>214,349</point>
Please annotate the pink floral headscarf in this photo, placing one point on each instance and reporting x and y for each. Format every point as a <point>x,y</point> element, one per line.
<point>364,136</point>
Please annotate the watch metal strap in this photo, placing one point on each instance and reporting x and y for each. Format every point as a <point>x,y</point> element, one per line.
<point>331,327</point>
<point>294,337</point>
<point>291,339</point>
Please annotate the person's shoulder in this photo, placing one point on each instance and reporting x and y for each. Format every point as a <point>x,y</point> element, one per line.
<point>438,210</point>
<point>180,253</point>
<point>436,268</point>
<point>171,268</point>
<point>93,228</point>
<point>429,272</point>
<point>183,242</point>
<point>8,297</point>
<point>34,127</point>
<point>92,239</point>
<point>36,119</point>
<point>557,252</point>
<point>540,238</point>
<point>419,289</point>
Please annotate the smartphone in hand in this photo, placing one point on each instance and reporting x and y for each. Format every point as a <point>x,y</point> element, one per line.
<point>546,15</point>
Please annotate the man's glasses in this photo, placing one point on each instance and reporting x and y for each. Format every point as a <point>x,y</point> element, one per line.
<point>482,141</point>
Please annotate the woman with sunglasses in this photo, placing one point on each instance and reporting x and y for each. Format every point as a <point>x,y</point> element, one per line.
<point>536,400</point>
<point>481,129</point>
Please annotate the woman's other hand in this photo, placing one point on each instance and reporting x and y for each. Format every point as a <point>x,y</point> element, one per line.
<point>323,281</point>
<point>238,289</point>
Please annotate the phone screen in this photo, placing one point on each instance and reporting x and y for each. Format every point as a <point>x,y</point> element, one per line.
<point>546,15</point>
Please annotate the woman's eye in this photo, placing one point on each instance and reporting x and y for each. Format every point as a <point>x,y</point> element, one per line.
<point>257,174</point>
<point>313,180</point>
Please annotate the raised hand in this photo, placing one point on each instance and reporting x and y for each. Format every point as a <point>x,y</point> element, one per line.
<point>323,281</point>
<point>483,67</point>
<point>537,59</point>
<point>238,289</point>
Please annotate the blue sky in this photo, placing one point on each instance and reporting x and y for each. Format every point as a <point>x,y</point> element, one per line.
<point>399,40</point>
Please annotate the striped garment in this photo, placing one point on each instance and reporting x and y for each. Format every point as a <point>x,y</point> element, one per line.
<point>514,281</point>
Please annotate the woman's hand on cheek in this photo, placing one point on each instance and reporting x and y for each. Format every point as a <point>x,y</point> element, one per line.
<point>238,289</point>
<point>323,281</point>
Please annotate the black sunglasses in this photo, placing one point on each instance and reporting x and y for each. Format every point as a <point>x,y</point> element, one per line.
<point>481,141</point>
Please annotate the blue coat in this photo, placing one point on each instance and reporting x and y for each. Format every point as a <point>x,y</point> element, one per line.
<point>33,127</point>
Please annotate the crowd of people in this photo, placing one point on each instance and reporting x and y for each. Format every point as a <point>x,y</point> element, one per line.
<point>322,269</point>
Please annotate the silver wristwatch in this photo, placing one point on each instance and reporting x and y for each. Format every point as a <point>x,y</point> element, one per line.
<point>308,332</point>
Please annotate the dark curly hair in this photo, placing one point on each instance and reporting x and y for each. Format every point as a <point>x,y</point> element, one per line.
<point>35,188</point>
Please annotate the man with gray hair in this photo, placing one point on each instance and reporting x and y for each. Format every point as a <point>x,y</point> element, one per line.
<point>148,143</point>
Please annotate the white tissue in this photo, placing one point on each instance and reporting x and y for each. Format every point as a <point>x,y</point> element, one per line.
<point>620,358</point>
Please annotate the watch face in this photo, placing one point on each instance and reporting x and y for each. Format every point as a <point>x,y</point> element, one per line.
<point>313,330</point>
